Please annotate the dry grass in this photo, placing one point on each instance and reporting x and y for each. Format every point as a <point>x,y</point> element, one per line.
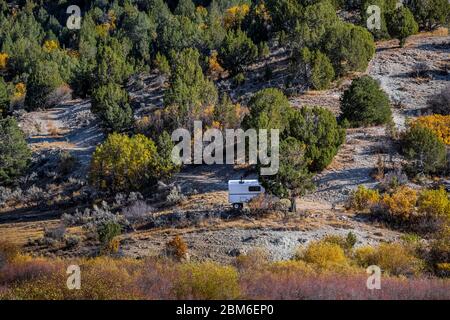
<point>106,278</point>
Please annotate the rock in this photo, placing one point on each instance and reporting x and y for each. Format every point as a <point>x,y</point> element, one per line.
<point>234,252</point>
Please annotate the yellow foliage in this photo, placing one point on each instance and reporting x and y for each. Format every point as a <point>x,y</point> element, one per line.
<point>395,259</point>
<point>401,203</point>
<point>207,281</point>
<point>363,198</point>
<point>202,11</point>
<point>293,267</point>
<point>262,11</point>
<point>324,255</point>
<point>3,60</point>
<point>364,256</point>
<point>434,203</point>
<point>50,45</point>
<point>234,15</point>
<point>102,30</point>
<point>123,163</point>
<point>214,65</point>
<point>19,90</point>
<point>437,123</point>
<point>113,245</point>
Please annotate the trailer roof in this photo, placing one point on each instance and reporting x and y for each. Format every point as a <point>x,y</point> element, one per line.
<point>252,181</point>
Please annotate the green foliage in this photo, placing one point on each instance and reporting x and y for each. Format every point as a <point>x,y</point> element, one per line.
<point>165,146</point>
<point>269,109</point>
<point>107,231</point>
<point>401,24</point>
<point>43,80</point>
<point>285,13</point>
<point>227,113</point>
<point>162,64</point>
<point>293,178</point>
<point>349,47</point>
<point>365,103</point>
<point>314,67</point>
<point>140,29</point>
<point>190,91</point>
<point>112,65</point>
<point>322,72</point>
<point>363,198</point>
<point>425,151</point>
<point>185,8</point>
<point>122,163</point>
<point>319,131</point>
<point>434,203</point>
<point>111,103</point>
<point>315,22</point>
<point>4,98</point>
<point>237,51</point>
<point>385,8</point>
<point>430,13</point>
<point>14,153</point>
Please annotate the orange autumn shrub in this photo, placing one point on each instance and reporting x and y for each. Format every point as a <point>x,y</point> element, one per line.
<point>401,204</point>
<point>438,124</point>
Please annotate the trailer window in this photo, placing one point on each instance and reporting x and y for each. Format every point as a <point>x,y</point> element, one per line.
<point>254,189</point>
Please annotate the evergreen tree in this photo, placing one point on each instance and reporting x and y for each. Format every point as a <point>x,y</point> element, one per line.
<point>111,103</point>
<point>4,98</point>
<point>401,24</point>
<point>349,47</point>
<point>365,103</point>
<point>14,152</point>
<point>43,80</point>
<point>189,92</point>
<point>237,51</point>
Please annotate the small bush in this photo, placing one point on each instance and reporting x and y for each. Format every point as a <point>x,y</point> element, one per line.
<point>56,233</point>
<point>8,252</point>
<point>401,24</point>
<point>365,103</point>
<point>108,231</point>
<point>67,163</point>
<point>346,243</point>
<point>401,204</point>
<point>324,255</point>
<point>111,103</point>
<point>434,203</point>
<point>254,259</point>
<point>438,124</point>
<point>363,198</point>
<point>122,163</point>
<point>364,256</point>
<point>177,248</point>
<point>395,259</point>
<point>425,150</point>
<point>138,212</point>
<point>207,281</point>
<point>440,103</point>
<point>175,196</point>
<point>440,251</point>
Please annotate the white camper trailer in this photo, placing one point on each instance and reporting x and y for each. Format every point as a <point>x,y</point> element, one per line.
<point>242,191</point>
